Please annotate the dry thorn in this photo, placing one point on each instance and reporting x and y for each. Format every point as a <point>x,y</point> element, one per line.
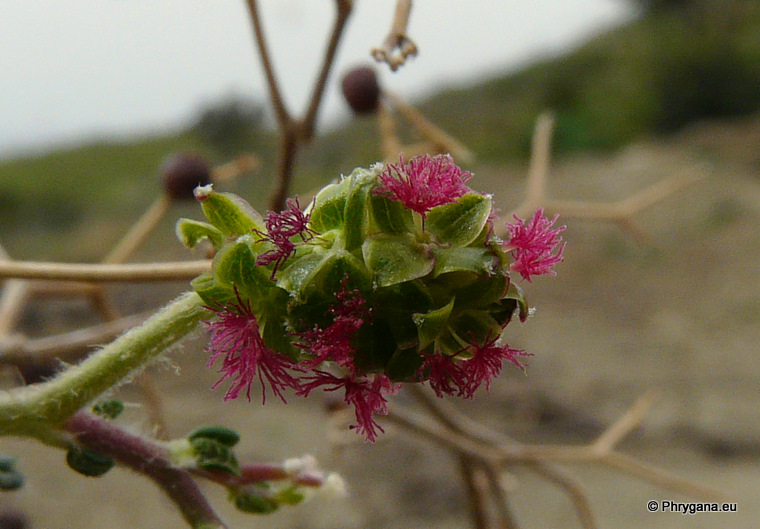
<point>397,46</point>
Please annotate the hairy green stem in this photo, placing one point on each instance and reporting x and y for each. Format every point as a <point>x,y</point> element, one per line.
<point>33,410</point>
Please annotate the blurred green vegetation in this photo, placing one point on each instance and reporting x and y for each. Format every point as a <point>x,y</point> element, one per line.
<point>679,62</point>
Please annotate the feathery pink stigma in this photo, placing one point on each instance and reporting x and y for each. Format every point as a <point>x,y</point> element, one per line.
<point>533,245</point>
<point>281,227</point>
<point>486,364</point>
<point>365,395</point>
<point>424,183</point>
<point>444,374</point>
<point>334,342</point>
<point>235,336</point>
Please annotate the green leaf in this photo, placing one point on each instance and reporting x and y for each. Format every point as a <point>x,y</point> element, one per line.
<point>374,346</point>
<point>88,463</point>
<point>212,454</point>
<point>396,304</point>
<point>431,324</point>
<point>229,213</point>
<point>390,216</point>
<point>454,259</point>
<point>213,293</point>
<point>515,292</point>
<point>396,258</point>
<point>235,265</point>
<point>290,495</point>
<point>472,290</point>
<point>254,504</point>
<point>460,222</point>
<point>339,266</point>
<point>322,273</point>
<point>219,434</point>
<point>356,208</point>
<point>297,277</point>
<point>191,232</point>
<point>475,325</point>
<point>329,207</point>
<point>404,364</point>
<point>272,324</point>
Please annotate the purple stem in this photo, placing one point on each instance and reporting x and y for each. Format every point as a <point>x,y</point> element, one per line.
<point>148,458</point>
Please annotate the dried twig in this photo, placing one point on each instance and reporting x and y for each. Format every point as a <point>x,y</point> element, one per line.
<point>620,212</point>
<point>14,296</point>
<point>142,272</point>
<point>139,232</point>
<point>436,140</point>
<point>481,447</point>
<point>294,133</point>
<point>397,46</point>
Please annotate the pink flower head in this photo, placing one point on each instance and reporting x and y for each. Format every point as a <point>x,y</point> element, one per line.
<point>235,336</point>
<point>424,183</point>
<point>334,342</point>
<point>486,364</point>
<point>281,227</point>
<point>533,245</point>
<point>364,394</point>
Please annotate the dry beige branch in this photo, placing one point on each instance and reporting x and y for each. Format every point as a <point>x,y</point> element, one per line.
<point>435,140</point>
<point>489,450</point>
<point>69,346</point>
<point>142,272</point>
<point>139,232</point>
<point>397,46</point>
<point>244,163</point>
<point>621,212</point>
<point>12,298</point>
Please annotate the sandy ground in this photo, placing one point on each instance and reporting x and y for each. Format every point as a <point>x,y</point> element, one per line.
<point>679,314</point>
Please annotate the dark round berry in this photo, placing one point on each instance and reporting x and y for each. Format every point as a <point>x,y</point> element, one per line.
<point>13,519</point>
<point>361,90</point>
<point>183,172</point>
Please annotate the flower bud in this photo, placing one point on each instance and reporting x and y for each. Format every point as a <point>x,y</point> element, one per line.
<point>361,90</point>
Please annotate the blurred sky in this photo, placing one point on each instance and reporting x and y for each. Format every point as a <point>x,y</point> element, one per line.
<point>72,70</point>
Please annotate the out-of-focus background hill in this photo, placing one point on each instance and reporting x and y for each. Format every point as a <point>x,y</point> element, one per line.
<point>676,90</point>
<point>678,64</point>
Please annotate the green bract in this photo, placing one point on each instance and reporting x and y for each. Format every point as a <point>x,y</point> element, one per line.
<point>433,285</point>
